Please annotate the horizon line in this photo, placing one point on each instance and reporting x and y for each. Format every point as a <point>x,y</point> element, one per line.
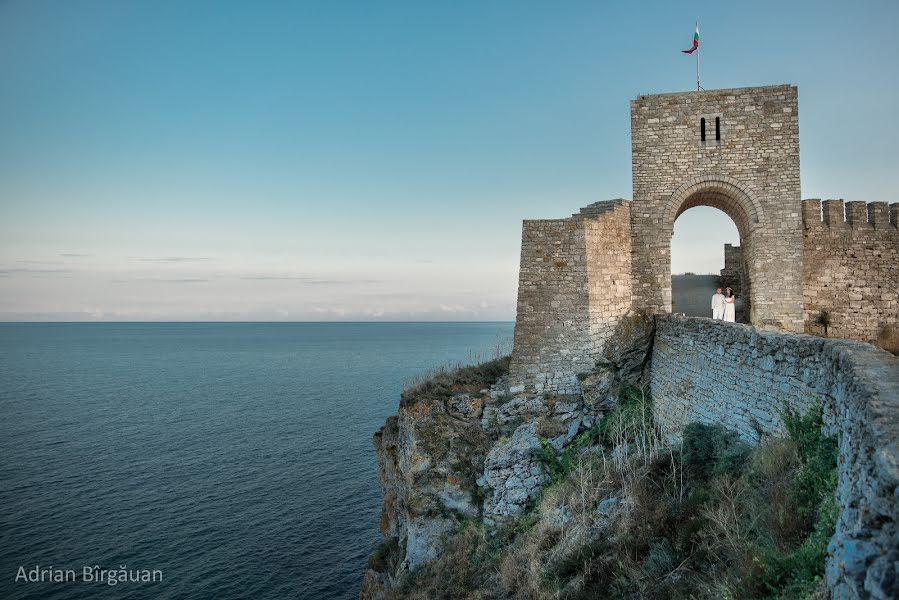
<point>243,322</point>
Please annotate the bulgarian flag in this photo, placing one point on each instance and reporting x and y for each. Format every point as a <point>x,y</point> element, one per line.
<point>695,42</point>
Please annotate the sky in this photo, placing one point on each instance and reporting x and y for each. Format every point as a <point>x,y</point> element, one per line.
<point>166,160</point>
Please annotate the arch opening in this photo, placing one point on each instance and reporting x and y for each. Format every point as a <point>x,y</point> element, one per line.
<point>730,198</point>
<point>706,254</point>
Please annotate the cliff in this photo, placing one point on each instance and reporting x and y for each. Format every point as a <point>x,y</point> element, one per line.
<point>469,445</point>
<point>701,459</point>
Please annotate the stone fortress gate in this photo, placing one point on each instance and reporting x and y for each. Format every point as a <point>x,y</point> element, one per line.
<point>736,150</point>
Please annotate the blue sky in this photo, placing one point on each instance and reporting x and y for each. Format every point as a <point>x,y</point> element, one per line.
<point>374,160</point>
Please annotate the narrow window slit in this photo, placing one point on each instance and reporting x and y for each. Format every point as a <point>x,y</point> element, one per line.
<point>702,129</point>
<point>718,129</point>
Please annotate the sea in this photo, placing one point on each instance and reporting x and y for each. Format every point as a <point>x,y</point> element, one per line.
<point>222,460</point>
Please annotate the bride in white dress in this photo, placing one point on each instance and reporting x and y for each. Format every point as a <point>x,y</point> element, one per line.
<point>729,306</point>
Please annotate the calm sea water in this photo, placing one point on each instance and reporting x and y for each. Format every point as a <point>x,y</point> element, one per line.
<point>234,458</point>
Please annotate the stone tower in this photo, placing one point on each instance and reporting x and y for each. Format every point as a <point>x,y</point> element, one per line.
<point>736,150</point>
<point>583,277</point>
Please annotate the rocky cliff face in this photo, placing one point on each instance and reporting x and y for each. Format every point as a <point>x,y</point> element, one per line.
<point>467,445</point>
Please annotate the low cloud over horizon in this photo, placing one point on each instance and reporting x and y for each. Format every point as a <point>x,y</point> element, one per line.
<point>143,289</point>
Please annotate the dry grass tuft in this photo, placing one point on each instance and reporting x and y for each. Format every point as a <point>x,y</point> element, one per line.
<point>447,380</point>
<point>888,339</point>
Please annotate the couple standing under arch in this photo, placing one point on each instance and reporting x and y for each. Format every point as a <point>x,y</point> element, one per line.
<point>724,305</point>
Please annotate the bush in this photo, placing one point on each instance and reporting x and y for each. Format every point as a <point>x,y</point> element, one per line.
<point>795,572</point>
<point>824,321</point>
<point>817,478</point>
<point>386,556</point>
<point>888,339</point>
<point>710,450</point>
<point>445,382</point>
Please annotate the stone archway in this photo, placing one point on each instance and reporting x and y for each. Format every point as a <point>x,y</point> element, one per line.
<point>718,191</point>
<point>762,249</point>
<point>749,169</point>
<point>726,195</point>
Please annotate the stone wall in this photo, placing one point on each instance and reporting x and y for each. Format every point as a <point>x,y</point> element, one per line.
<point>573,286</point>
<point>739,376</point>
<point>732,273</point>
<point>851,267</point>
<point>751,173</point>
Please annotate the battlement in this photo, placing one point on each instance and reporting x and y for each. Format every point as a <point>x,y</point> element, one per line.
<point>693,95</point>
<point>850,266</point>
<point>736,150</point>
<point>838,214</point>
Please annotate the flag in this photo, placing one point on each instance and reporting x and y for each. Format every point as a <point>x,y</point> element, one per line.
<point>695,42</point>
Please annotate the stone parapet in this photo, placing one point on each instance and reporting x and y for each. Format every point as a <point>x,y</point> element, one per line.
<point>739,376</point>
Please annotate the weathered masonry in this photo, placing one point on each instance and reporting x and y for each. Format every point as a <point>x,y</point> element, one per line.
<point>755,373</point>
<point>736,150</point>
<point>851,267</point>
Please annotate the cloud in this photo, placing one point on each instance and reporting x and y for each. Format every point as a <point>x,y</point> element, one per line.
<point>33,271</point>
<point>176,259</point>
<point>456,308</point>
<point>163,280</point>
<point>75,255</point>
<point>308,280</point>
<point>338,311</point>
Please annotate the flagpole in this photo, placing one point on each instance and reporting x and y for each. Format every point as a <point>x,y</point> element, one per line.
<point>698,87</point>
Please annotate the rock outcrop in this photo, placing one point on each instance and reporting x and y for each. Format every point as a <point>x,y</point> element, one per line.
<point>468,444</point>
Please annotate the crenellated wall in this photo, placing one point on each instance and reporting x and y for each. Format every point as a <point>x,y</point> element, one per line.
<point>580,275</point>
<point>573,286</point>
<point>851,267</point>
<point>739,376</point>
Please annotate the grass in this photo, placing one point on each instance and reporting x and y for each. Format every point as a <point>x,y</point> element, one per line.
<point>888,339</point>
<point>460,573</point>
<point>711,518</point>
<point>446,381</point>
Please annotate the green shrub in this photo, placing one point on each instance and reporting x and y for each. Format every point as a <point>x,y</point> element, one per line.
<point>824,321</point>
<point>795,572</point>
<point>817,478</point>
<point>631,418</point>
<point>710,450</point>
<point>386,556</point>
<point>560,464</point>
